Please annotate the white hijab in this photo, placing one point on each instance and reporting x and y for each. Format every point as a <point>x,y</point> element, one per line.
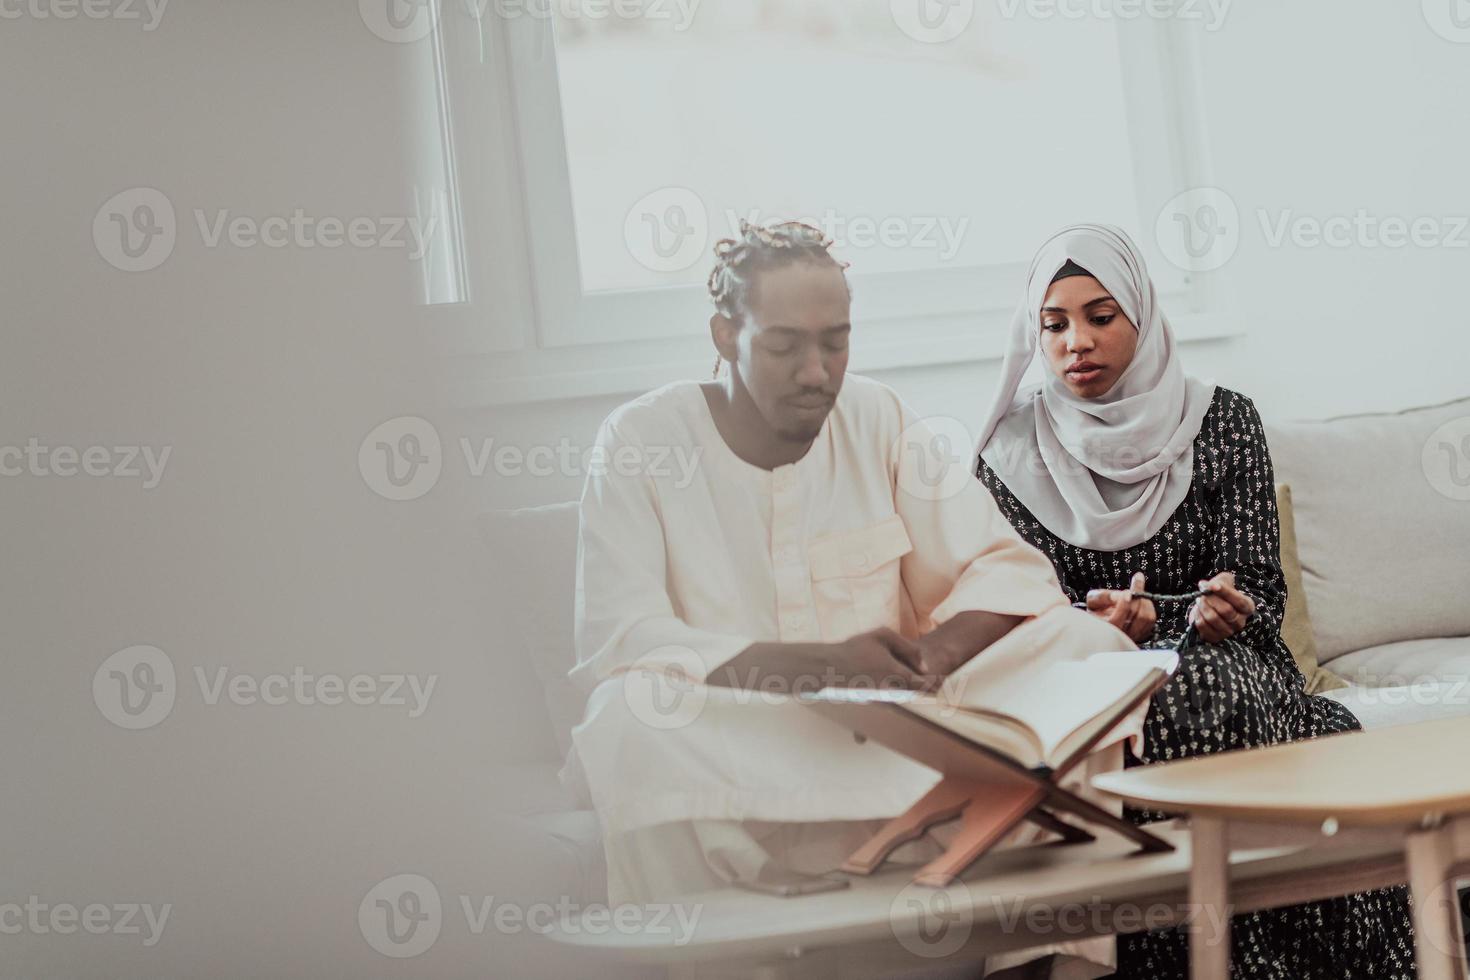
<point>1103,473</point>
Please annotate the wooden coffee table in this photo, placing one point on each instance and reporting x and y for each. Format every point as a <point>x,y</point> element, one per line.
<point>883,925</point>
<point>1407,785</point>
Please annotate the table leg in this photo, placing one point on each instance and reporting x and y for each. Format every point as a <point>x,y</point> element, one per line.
<point>1439,948</point>
<point>1209,899</point>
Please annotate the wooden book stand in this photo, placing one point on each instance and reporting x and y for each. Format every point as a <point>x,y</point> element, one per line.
<point>989,792</point>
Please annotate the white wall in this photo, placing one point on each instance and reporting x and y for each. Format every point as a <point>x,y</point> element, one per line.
<point>1324,112</point>
<point>1309,108</point>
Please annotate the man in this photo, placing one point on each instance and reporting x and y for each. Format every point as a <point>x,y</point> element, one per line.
<point>824,539</point>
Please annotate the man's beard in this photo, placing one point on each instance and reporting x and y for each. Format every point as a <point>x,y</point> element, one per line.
<point>802,432</point>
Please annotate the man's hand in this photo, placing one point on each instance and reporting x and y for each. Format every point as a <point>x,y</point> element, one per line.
<point>878,658</point>
<point>1222,611</point>
<point>952,644</point>
<point>1121,608</point>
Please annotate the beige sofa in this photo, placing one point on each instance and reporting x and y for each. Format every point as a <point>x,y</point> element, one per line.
<point>1384,542</point>
<point>1382,515</point>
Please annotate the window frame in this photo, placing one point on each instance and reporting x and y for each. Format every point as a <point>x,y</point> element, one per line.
<point>542,338</point>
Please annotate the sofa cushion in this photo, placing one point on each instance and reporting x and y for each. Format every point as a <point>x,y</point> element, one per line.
<point>1442,659</point>
<point>1296,625</point>
<point>1385,707</point>
<point>528,789</point>
<point>1382,527</point>
<point>1406,682</point>
<point>559,843</point>
<point>534,553</point>
<point>518,728</point>
<point>547,858</point>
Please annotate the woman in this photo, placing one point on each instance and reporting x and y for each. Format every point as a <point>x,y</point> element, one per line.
<point>1129,475</point>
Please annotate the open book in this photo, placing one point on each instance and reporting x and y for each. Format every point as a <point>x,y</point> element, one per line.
<point>1038,713</point>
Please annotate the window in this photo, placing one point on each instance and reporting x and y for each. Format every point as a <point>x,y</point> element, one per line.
<point>937,167</point>
<point>914,157</point>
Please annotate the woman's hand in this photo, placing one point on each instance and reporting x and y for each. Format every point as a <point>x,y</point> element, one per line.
<point>1121,608</point>
<point>1222,611</point>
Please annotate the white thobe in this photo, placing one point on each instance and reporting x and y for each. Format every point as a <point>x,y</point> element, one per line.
<point>880,524</point>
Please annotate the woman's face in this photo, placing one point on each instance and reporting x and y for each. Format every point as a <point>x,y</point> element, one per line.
<point>1087,339</point>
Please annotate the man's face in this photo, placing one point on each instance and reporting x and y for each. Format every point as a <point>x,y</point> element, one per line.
<point>793,346</point>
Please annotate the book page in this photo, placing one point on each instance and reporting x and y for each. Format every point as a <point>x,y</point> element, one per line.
<point>1034,716</point>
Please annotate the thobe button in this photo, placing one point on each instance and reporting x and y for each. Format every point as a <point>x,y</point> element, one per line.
<point>860,562</point>
<point>799,622</point>
<point>786,555</point>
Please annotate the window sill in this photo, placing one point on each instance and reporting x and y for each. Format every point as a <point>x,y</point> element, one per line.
<point>606,370</point>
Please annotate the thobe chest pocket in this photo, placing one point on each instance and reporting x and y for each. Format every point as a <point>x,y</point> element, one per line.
<point>856,582</point>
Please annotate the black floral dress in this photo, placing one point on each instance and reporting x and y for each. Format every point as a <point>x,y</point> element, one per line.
<point>1242,693</point>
